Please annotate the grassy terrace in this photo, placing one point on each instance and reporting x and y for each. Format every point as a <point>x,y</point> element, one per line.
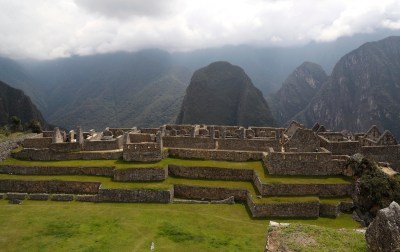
<point>254,165</point>
<point>168,183</point>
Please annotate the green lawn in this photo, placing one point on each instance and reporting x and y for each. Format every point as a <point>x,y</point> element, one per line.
<point>77,226</point>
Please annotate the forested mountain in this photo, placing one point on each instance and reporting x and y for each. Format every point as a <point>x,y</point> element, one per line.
<point>222,94</point>
<point>364,89</point>
<point>13,102</point>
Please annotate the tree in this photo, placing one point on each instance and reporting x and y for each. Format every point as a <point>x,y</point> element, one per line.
<point>35,126</point>
<point>15,123</point>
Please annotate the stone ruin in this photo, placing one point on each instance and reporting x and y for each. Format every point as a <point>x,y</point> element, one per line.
<point>295,149</point>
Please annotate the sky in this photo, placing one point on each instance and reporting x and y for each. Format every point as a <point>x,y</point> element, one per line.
<point>47,29</point>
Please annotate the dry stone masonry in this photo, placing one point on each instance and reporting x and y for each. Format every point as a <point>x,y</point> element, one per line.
<point>294,151</point>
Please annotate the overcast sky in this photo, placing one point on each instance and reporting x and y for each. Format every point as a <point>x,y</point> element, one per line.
<point>44,29</point>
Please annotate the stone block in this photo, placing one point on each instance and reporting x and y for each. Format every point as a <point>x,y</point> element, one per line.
<point>86,198</point>
<point>62,197</point>
<point>20,196</point>
<point>38,196</point>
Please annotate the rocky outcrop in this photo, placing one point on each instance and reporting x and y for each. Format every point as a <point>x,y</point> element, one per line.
<point>297,91</point>
<point>383,234</point>
<point>373,189</point>
<point>222,94</point>
<point>362,90</point>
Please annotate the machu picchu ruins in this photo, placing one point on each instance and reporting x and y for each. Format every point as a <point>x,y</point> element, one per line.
<point>298,172</point>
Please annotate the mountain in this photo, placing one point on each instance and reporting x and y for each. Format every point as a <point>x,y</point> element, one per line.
<point>297,91</point>
<point>222,94</point>
<point>13,102</point>
<point>364,89</point>
<point>142,89</point>
<point>15,75</point>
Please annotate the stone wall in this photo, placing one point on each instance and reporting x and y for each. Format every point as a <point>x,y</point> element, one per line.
<point>65,147</point>
<point>49,186</point>
<point>302,163</point>
<point>209,193</point>
<point>99,145</point>
<point>210,173</point>
<point>329,210</point>
<point>143,152</point>
<point>303,140</point>
<point>141,137</point>
<point>188,142</point>
<point>140,174</point>
<point>221,144</point>
<point>341,147</point>
<point>247,144</point>
<point>37,142</point>
<point>284,210</point>
<point>47,154</point>
<point>135,195</point>
<point>55,170</point>
<point>390,153</point>
<point>237,156</point>
<point>321,190</point>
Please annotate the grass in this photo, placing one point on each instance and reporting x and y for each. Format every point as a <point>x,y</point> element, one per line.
<point>299,237</point>
<point>77,226</point>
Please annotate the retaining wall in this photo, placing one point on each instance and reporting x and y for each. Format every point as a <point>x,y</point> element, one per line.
<point>140,174</point>
<point>284,210</point>
<point>213,173</point>
<point>135,195</point>
<point>51,186</point>
<point>238,156</point>
<point>321,190</point>
<point>209,193</point>
<point>329,210</point>
<point>55,170</point>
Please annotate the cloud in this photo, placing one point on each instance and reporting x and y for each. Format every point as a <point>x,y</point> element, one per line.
<point>127,8</point>
<point>50,29</point>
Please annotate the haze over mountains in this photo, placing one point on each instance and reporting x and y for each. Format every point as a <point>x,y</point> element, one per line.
<point>146,88</point>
